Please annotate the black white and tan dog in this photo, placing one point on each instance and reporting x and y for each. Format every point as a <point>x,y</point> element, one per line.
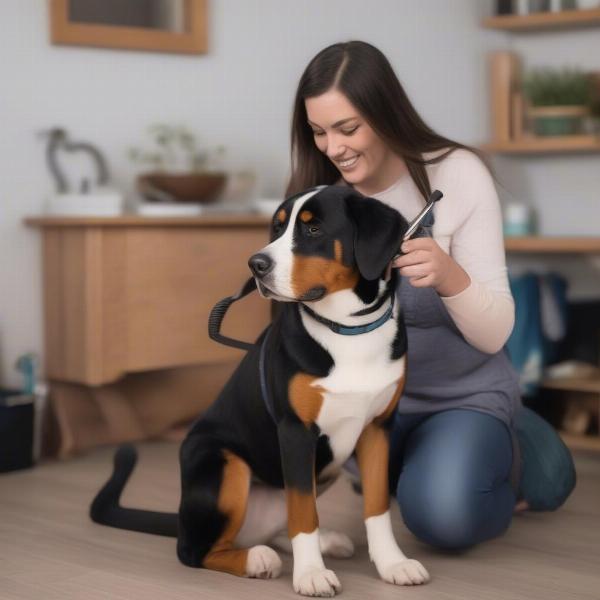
<point>319,385</point>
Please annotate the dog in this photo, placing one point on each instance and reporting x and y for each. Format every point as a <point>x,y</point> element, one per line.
<point>320,385</point>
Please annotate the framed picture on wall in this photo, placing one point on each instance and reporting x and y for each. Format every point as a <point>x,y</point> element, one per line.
<point>178,26</point>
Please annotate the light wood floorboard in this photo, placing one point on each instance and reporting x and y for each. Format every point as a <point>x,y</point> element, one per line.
<point>49,549</point>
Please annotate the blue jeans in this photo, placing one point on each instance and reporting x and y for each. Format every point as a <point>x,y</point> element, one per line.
<point>451,473</point>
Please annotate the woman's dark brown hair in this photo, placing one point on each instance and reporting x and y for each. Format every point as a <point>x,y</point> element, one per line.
<point>364,75</point>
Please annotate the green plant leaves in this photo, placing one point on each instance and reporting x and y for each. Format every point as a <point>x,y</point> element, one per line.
<point>558,87</point>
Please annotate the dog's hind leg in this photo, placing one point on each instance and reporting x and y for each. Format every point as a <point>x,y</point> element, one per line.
<point>214,496</point>
<point>266,515</point>
<point>266,520</point>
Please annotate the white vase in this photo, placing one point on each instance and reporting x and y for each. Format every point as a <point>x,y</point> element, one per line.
<point>101,202</point>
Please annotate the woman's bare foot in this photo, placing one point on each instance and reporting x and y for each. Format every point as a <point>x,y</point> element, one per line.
<point>521,505</point>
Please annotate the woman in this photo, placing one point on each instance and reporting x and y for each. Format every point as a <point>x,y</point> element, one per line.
<point>455,464</point>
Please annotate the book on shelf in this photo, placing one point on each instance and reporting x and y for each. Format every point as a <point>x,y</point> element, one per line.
<point>505,73</point>
<point>517,116</point>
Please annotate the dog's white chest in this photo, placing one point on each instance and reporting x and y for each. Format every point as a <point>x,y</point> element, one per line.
<point>359,387</point>
<point>353,397</point>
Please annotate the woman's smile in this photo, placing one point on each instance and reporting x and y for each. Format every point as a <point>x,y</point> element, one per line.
<point>347,163</point>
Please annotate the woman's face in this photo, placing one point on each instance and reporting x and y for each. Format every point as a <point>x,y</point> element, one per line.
<point>360,155</point>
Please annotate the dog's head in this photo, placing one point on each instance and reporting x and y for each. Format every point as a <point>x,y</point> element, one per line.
<point>324,240</point>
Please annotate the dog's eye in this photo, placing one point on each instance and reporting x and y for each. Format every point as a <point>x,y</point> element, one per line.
<point>313,230</point>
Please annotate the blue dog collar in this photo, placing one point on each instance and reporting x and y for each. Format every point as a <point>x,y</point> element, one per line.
<point>352,329</point>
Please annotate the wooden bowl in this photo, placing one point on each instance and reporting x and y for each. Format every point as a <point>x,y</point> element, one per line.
<point>184,187</point>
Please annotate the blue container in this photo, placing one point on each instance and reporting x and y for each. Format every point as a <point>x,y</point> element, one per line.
<point>17,414</point>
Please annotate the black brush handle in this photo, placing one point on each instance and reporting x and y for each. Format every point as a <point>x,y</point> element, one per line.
<point>414,226</point>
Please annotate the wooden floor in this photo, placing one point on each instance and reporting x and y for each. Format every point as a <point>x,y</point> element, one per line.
<point>49,549</point>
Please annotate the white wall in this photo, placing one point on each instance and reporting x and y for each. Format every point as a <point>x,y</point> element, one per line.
<point>240,95</point>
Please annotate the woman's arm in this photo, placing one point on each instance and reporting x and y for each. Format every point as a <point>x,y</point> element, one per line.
<point>472,280</point>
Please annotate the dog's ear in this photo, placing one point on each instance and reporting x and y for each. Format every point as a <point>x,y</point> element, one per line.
<point>378,230</point>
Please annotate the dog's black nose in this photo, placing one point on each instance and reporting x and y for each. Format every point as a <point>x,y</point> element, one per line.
<point>260,265</point>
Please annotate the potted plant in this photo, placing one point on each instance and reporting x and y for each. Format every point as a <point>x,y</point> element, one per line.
<point>179,171</point>
<point>558,100</point>
<point>595,103</point>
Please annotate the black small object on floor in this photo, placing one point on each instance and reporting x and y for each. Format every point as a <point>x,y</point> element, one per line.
<point>16,430</point>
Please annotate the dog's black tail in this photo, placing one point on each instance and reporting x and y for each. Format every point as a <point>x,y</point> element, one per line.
<point>106,510</point>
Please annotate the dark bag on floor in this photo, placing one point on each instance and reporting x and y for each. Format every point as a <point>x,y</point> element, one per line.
<point>17,416</point>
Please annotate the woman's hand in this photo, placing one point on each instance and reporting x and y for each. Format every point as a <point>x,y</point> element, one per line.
<point>427,265</point>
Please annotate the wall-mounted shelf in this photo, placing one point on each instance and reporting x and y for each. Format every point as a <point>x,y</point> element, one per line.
<point>508,111</point>
<point>581,442</point>
<point>573,384</point>
<point>549,145</point>
<point>553,245</point>
<point>544,21</point>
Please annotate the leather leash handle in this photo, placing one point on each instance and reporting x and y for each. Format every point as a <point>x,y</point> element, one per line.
<point>217,314</point>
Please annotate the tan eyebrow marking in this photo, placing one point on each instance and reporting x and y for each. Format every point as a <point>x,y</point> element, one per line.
<point>306,216</point>
<point>337,250</point>
<point>281,215</point>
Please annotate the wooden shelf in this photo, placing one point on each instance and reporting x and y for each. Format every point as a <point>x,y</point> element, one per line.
<point>581,442</point>
<point>548,145</point>
<point>553,245</point>
<point>546,20</point>
<point>209,220</point>
<point>573,384</point>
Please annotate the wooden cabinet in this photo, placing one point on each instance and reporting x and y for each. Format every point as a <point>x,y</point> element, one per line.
<point>133,294</point>
<point>126,306</point>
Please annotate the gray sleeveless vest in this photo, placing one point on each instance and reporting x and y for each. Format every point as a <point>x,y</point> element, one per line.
<point>445,372</point>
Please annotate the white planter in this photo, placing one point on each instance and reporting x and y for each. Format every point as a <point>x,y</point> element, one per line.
<point>266,206</point>
<point>98,203</point>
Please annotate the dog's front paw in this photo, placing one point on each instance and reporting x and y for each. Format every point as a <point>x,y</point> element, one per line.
<point>263,563</point>
<point>406,572</point>
<point>317,582</point>
<point>335,544</point>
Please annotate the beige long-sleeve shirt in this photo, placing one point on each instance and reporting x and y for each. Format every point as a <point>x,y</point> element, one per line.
<point>468,226</point>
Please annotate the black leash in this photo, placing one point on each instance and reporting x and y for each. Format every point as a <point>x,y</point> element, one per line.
<point>217,314</point>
